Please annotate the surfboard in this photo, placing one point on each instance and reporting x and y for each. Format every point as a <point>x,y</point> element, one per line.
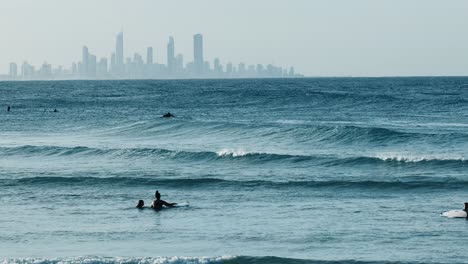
<point>454,214</point>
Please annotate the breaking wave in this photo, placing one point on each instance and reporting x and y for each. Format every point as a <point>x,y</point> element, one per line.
<point>390,159</point>
<point>189,260</point>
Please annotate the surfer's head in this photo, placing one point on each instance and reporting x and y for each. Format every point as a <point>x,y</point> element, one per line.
<point>157,195</point>
<point>140,204</point>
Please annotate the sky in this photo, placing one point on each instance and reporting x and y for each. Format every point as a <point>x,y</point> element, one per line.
<point>317,37</point>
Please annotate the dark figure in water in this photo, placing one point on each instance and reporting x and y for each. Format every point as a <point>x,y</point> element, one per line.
<point>141,204</point>
<point>55,110</point>
<point>158,203</point>
<point>466,208</point>
<point>168,115</point>
<point>8,108</point>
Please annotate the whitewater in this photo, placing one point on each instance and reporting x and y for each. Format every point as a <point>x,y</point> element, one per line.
<point>320,170</point>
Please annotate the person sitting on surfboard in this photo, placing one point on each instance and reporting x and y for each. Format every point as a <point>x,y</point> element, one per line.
<point>466,209</point>
<point>158,203</point>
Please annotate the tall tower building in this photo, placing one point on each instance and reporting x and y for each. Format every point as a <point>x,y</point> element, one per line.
<point>198,53</point>
<point>85,62</point>
<point>229,69</point>
<point>170,56</point>
<point>27,71</point>
<point>291,72</point>
<point>217,67</point>
<point>119,54</point>
<point>92,66</point>
<point>179,63</point>
<point>74,70</point>
<point>102,68</point>
<point>149,56</point>
<point>113,62</point>
<point>13,70</point>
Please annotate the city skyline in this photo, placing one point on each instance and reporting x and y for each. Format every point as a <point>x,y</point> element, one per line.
<point>122,67</point>
<point>320,38</point>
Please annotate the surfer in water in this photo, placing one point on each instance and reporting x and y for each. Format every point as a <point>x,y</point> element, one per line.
<point>141,204</point>
<point>158,203</point>
<point>466,209</point>
<point>168,115</point>
<point>8,108</point>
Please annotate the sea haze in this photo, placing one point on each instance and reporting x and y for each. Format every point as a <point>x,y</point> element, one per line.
<point>307,170</point>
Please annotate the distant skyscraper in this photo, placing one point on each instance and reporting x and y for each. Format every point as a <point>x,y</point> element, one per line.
<point>119,56</point>
<point>241,69</point>
<point>113,62</point>
<point>79,68</point>
<point>92,66</point>
<point>74,70</point>
<point>217,67</point>
<point>170,56</point>
<point>291,72</point>
<point>251,70</point>
<point>179,63</point>
<point>138,65</point>
<point>102,71</point>
<point>149,56</point>
<point>229,69</point>
<point>27,71</point>
<point>206,67</point>
<point>45,72</point>
<point>85,62</point>
<point>13,70</point>
<point>198,53</point>
<point>259,69</point>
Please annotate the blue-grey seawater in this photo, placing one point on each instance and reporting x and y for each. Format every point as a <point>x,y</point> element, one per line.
<point>331,170</point>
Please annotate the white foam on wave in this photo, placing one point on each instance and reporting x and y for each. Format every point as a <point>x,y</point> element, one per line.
<point>291,122</point>
<point>120,260</point>
<point>232,152</point>
<point>418,158</point>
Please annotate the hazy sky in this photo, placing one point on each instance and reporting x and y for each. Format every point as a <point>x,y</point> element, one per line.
<point>320,38</point>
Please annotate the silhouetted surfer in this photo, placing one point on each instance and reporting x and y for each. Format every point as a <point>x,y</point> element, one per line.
<point>55,110</point>
<point>168,115</point>
<point>466,209</point>
<point>8,108</point>
<point>141,204</point>
<point>158,203</point>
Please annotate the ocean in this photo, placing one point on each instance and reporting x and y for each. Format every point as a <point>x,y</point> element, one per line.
<point>295,171</point>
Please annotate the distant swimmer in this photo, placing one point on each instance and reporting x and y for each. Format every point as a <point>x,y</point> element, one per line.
<point>8,108</point>
<point>55,110</point>
<point>141,204</point>
<point>168,115</point>
<point>158,203</point>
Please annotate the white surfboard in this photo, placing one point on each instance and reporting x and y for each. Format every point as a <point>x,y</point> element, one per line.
<point>454,214</point>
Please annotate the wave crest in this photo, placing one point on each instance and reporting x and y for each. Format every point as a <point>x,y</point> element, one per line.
<point>189,260</point>
<point>423,183</point>
<point>241,155</point>
<point>103,260</point>
<point>232,152</point>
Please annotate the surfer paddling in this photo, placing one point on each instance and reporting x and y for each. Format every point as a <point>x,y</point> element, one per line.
<point>168,115</point>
